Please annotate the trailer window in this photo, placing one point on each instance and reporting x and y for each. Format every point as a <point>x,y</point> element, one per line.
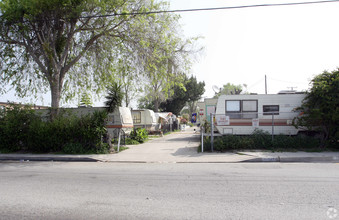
<point>271,109</point>
<point>249,105</point>
<point>250,109</point>
<point>242,109</point>
<point>232,106</point>
<point>136,117</point>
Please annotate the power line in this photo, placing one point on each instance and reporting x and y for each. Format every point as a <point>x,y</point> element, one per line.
<point>208,9</point>
<point>284,81</point>
<point>213,9</point>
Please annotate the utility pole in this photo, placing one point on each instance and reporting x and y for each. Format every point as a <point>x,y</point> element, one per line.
<point>265,85</point>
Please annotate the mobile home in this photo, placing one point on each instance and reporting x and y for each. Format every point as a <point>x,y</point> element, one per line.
<point>121,118</point>
<point>144,118</point>
<point>242,114</point>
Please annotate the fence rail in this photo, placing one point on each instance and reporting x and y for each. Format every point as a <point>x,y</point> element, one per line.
<point>246,123</point>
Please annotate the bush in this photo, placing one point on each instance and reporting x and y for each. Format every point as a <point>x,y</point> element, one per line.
<point>14,127</point>
<point>263,141</point>
<point>139,134</point>
<point>22,129</point>
<point>130,141</point>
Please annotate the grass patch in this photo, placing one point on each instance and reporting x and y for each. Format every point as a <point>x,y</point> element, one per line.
<point>122,148</point>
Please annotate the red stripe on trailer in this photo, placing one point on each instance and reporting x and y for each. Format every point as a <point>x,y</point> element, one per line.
<point>119,126</point>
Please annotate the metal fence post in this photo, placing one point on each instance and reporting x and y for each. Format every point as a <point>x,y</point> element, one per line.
<point>118,148</point>
<point>272,126</point>
<point>212,132</point>
<point>202,139</point>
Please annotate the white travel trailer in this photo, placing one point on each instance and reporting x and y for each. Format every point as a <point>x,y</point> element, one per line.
<point>144,118</point>
<point>121,118</point>
<point>242,114</point>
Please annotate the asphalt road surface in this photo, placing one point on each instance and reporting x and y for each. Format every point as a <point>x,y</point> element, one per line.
<point>50,190</point>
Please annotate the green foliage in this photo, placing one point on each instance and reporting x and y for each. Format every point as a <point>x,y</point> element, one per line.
<point>114,97</point>
<point>130,141</point>
<point>121,148</point>
<point>139,134</point>
<point>146,103</point>
<point>86,100</point>
<point>230,89</point>
<point>261,140</point>
<point>21,129</point>
<point>167,57</point>
<point>15,122</point>
<point>68,47</point>
<point>206,125</point>
<point>187,94</point>
<point>321,106</point>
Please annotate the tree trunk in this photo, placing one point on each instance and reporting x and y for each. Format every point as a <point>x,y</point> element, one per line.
<point>156,105</point>
<point>56,94</point>
<point>126,99</point>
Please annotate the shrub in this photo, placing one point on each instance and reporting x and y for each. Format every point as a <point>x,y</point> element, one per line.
<point>22,129</point>
<point>139,134</point>
<point>130,141</point>
<point>262,140</point>
<point>14,126</point>
<point>73,148</point>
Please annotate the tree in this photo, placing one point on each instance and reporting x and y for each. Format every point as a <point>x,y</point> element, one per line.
<point>188,95</point>
<point>230,89</point>
<point>195,90</point>
<point>167,58</point>
<point>86,100</point>
<point>67,46</point>
<point>114,97</point>
<point>320,107</point>
<point>145,103</point>
<point>175,103</point>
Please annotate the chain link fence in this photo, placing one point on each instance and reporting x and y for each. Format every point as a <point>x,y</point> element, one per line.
<point>274,123</point>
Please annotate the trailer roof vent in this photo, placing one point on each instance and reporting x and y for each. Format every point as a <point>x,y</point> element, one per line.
<point>287,92</point>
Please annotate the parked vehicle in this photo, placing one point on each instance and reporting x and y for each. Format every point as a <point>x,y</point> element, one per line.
<point>242,114</point>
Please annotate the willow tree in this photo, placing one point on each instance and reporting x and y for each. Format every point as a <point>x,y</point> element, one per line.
<point>65,46</point>
<point>166,56</point>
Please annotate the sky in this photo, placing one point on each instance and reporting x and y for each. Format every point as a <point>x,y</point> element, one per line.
<point>288,44</point>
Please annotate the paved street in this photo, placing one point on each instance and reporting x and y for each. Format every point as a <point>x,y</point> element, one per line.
<point>54,190</point>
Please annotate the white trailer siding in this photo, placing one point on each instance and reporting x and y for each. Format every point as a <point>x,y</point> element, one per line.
<point>248,112</point>
<point>144,118</point>
<point>121,118</point>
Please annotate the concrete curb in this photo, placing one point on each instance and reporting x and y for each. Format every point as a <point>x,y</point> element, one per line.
<point>48,158</point>
<point>78,158</point>
<point>295,159</point>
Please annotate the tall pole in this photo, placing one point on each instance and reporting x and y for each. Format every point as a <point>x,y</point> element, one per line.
<point>265,85</point>
<point>212,132</point>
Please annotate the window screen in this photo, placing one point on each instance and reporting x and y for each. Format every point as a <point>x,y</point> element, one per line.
<point>271,109</point>
<point>232,106</point>
<point>136,117</point>
<point>249,106</point>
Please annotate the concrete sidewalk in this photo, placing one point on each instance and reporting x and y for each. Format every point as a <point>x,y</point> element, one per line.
<point>179,147</point>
